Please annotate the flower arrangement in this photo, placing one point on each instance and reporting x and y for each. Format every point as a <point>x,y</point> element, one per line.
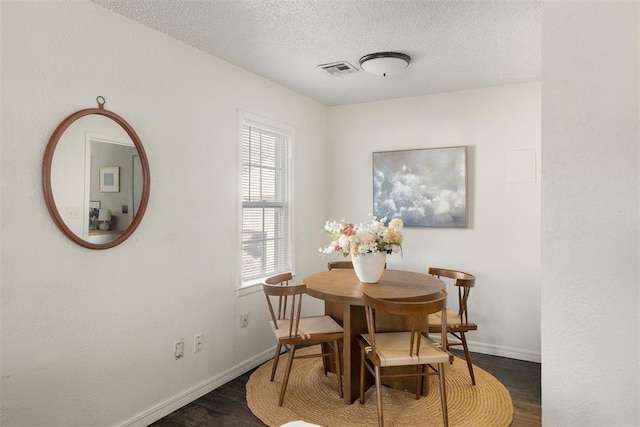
<point>376,236</point>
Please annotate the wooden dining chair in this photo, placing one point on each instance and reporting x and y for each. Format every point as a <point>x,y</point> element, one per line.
<point>291,329</point>
<point>339,265</point>
<point>380,350</point>
<point>458,319</point>
<point>343,265</point>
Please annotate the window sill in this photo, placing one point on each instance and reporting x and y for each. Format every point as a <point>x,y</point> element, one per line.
<point>249,289</point>
<point>254,286</point>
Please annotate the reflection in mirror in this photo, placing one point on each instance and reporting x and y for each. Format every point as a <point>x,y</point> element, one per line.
<point>96,178</point>
<point>91,143</point>
<point>107,153</point>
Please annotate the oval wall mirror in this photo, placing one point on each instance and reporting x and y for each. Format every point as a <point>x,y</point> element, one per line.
<point>95,176</point>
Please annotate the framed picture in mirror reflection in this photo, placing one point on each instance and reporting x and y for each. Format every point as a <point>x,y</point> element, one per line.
<point>110,179</point>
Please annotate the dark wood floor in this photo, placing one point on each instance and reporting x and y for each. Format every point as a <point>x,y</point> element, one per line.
<point>227,407</point>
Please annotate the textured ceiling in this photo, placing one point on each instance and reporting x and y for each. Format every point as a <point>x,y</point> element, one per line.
<point>453,44</point>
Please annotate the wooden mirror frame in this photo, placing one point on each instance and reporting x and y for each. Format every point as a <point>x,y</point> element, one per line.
<point>46,176</point>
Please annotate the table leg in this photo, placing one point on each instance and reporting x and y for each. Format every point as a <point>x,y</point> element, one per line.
<point>353,326</point>
<point>352,319</point>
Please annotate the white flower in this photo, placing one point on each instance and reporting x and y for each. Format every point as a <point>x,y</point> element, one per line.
<point>344,243</point>
<point>396,224</point>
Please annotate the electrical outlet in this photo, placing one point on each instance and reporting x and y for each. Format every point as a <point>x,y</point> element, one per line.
<point>197,343</point>
<point>244,320</point>
<point>73,213</point>
<point>178,349</point>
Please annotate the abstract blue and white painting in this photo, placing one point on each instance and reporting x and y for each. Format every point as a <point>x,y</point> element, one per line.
<point>424,188</point>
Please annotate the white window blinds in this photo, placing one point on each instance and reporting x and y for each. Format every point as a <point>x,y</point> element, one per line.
<point>266,237</point>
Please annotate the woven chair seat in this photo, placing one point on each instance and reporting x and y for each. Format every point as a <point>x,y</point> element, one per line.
<point>308,327</point>
<point>392,350</point>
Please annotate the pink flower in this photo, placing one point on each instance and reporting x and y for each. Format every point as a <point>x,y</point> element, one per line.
<point>348,230</point>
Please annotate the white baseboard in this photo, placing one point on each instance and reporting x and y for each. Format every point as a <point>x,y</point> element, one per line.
<point>497,350</point>
<point>511,353</point>
<point>178,401</point>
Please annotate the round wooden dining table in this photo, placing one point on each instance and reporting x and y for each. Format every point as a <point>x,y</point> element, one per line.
<point>342,293</point>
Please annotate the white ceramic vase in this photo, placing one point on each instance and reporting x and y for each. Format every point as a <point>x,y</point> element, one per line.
<point>369,267</point>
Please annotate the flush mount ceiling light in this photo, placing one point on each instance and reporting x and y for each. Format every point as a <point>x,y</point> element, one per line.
<point>384,63</point>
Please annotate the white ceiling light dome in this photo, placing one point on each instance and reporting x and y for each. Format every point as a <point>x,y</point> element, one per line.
<point>383,63</point>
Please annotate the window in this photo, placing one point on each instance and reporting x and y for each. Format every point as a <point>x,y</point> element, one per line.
<point>266,201</point>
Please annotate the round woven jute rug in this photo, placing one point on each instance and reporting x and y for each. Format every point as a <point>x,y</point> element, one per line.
<point>313,397</point>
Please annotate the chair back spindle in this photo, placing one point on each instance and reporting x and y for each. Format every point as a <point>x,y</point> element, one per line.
<point>279,280</point>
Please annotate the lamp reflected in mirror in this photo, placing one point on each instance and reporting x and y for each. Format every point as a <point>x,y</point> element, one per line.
<point>104,219</point>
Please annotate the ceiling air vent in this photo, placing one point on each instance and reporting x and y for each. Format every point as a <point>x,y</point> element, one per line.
<point>338,68</point>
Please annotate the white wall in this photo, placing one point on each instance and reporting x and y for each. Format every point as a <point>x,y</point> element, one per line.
<point>501,245</point>
<point>590,232</point>
<point>87,336</point>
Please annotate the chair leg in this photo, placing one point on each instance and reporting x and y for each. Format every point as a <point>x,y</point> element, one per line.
<point>419,378</point>
<point>467,357</point>
<point>443,395</point>
<point>275,361</point>
<point>449,349</point>
<point>336,352</point>
<point>285,380</point>
<point>362,362</point>
<point>379,393</point>
<point>324,347</point>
